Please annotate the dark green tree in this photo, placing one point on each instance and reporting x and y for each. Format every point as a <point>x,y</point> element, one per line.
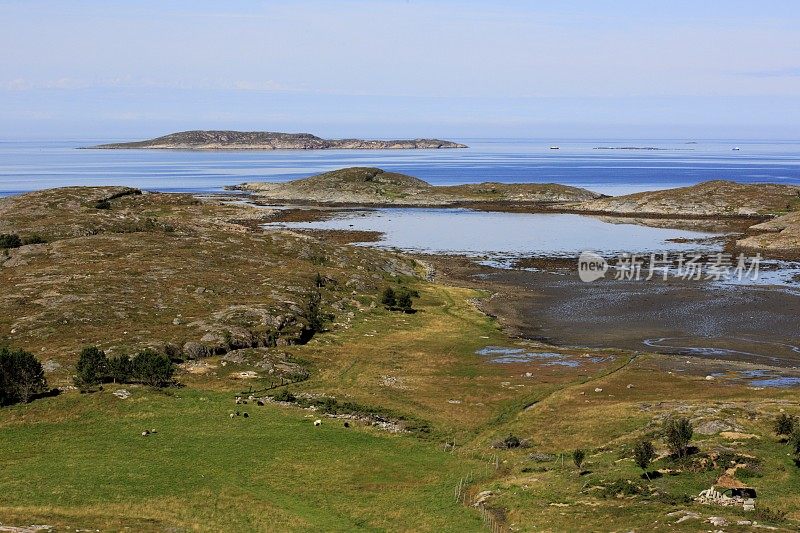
<point>678,432</point>
<point>388,298</point>
<point>643,454</point>
<point>404,302</point>
<point>312,311</point>
<point>152,368</point>
<point>120,369</point>
<point>92,368</point>
<point>21,376</point>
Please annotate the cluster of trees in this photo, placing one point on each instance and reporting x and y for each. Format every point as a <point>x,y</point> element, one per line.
<point>400,299</point>
<point>12,240</point>
<point>21,376</point>
<point>148,367</point>
<point>678,433</point>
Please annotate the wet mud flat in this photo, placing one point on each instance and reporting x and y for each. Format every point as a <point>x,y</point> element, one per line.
<point>754,324</point>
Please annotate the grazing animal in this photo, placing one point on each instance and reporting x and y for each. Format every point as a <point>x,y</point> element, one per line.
<point>317,422</point>
<point>232,415</point>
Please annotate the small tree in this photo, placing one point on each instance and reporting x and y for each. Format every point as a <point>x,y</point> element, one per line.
<point>120,369</point>
<point>678,433</point>
<point>785,425</point>
<point>577,457</point>
<point>388,298</point>
<point>152,368</point>
<point>21,376</point>
<point>312,311</point>
<point>92,368</point>
<point>643,454</point>
<point>319,281</point>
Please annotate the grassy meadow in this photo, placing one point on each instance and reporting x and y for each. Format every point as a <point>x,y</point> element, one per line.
<point>158,270</point>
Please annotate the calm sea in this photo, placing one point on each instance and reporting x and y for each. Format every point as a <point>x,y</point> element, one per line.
<point>31,165</point>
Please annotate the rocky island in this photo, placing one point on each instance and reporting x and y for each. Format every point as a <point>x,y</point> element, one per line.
<point>375,186</point>
<point>268,140</point>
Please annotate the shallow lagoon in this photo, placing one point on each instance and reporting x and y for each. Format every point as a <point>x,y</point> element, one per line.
<point>480,233</point>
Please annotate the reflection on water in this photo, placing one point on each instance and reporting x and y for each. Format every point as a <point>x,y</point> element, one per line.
<point>476,233</point>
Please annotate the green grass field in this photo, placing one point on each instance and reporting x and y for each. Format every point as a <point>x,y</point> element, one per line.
<point>80,461</point>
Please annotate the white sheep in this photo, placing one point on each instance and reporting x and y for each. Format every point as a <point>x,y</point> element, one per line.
<point>318,422</point>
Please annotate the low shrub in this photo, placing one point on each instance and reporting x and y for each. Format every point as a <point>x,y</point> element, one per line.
<point>10,240</point>
<point>284,395</point>
<point>764,513</point>
<point>785,424</point>
<point>34,239</point>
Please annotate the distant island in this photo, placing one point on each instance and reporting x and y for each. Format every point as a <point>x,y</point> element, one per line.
<point>268,140</point>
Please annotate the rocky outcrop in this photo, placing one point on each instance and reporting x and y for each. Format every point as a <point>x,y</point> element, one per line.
<point>780,236</point>
<point>267,140</point>
<point>374,186</point>
<point>717,198</point>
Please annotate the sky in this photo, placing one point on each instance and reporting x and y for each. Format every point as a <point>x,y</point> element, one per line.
<point>401,68</point>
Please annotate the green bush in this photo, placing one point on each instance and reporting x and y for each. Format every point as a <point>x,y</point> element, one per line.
<point>794,441</point>
<point>152,368</point>
<point>10,240</point>
<point>400,299</point>
<point>120,369</point>
<point>404,301</point>
<point>388,298</point>
<point>785,424</point>
<point>21,376</point>
<point>678,432</point>
<point>92,368</point>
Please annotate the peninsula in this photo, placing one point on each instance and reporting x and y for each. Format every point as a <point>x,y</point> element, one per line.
<point>268,140</point>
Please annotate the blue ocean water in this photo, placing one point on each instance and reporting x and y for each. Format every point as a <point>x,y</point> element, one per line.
<point>31,165</point>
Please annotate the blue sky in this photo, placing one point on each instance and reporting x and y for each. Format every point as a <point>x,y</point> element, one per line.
<point>396,68</point>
